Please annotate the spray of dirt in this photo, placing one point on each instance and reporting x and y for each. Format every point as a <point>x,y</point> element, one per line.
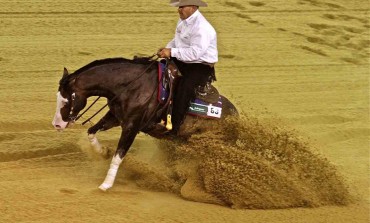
<point>245,164</point>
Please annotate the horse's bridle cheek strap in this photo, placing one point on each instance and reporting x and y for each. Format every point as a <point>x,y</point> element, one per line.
<point>72,117</point>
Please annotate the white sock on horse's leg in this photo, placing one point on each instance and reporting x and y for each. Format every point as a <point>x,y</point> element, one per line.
<point>95,143</point>
<point>112,172</point>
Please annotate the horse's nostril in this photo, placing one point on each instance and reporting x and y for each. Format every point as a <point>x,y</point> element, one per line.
<point>58,127</point>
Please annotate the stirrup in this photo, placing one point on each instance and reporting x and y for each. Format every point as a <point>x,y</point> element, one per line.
<point>169,123</point>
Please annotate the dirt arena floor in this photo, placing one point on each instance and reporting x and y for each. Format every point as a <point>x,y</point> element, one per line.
<point>297,69</point>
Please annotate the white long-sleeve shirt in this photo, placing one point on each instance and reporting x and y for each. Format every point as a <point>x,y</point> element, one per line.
<point>195,40</point>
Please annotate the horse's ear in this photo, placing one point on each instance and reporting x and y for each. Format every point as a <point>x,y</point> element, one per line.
<point>65,72</point>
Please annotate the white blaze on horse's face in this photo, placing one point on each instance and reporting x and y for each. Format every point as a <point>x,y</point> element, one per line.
<point>58,122</point>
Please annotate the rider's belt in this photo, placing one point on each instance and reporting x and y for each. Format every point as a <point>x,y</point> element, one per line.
<point>209,64</point>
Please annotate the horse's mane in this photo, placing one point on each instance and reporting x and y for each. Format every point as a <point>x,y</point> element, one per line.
<point>136,60</point>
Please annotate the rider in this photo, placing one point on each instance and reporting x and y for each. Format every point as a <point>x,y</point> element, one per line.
<point>194,51</point>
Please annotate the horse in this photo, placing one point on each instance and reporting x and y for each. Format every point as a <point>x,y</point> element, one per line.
<point>130,87</point>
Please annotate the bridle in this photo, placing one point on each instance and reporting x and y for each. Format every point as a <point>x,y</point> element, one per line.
<point>71,117</point>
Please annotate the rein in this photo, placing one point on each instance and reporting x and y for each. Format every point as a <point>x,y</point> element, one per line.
<point>79,116</point>
<point>115,97</point>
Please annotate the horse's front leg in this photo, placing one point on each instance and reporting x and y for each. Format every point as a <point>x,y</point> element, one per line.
<point>128,135</point>
<point>107,122</point>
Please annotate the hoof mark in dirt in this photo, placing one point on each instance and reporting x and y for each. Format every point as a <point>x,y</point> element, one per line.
<point>257,4</point>
<point>242,16</point>
<point>68,191</point>
<point>248,18</point>
<point>346,18</point>
<point>66,148</point>
<point>7,136</point>
<point>320,4</point>
<point>316,51</point>
<point>227,56</point>
<point>353,30</point>
<point>235,5</point>
<point>320,41</point>
<point>335,6</point>
<point>254,21</point>
<point>281,29</point>
<point>318,26</point>
<point>349,38</point>
<point>84,53</point>
<point>351,60</point>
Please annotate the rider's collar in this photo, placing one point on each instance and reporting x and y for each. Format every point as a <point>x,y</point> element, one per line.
<point>190,20</point>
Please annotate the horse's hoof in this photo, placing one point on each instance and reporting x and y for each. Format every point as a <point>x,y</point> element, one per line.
<point>104,187</point>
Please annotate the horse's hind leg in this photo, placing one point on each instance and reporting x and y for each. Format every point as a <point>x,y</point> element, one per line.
<point>107,122</point>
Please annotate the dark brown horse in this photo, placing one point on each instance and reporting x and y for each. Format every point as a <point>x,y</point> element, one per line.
<point>131,89</point>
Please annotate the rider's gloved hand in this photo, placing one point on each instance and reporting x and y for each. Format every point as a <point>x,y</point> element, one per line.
<point>164,53</point>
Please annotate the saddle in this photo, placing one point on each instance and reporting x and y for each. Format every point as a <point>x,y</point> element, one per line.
<point>207,103</point>
<point>168,73</point>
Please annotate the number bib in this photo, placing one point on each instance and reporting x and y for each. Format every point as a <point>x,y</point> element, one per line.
<point>199,108</point>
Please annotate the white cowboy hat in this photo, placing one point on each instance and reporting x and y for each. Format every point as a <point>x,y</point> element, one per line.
<point>179,3</point>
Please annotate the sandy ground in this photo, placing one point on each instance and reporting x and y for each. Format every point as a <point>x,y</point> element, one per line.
<point>303,64</point>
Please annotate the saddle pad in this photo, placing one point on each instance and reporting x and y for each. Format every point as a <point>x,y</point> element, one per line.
<point>205,110</point>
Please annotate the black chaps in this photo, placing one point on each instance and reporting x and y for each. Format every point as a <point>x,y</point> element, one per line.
<point>193,75</point>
